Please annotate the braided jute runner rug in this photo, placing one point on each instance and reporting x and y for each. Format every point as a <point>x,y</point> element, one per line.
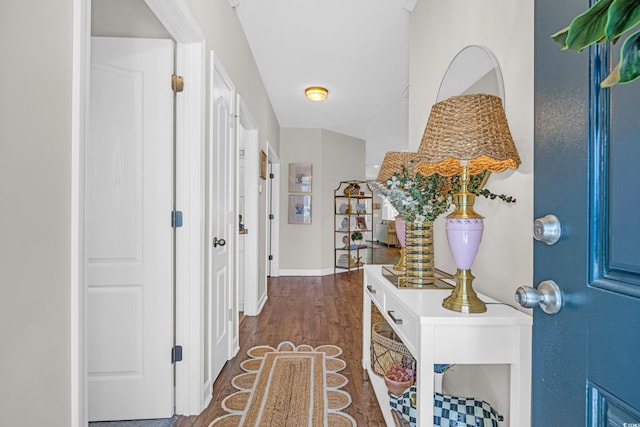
<point>289,386</point>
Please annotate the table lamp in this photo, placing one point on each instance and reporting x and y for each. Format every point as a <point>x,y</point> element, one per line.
<point>466,135</point>
<point>392,164</point>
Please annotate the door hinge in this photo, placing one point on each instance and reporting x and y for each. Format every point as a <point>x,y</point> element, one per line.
<point>176,219</point>
<point>271,216</point>
<point>177,83</point>
<point>271,176</point>
<point>176,354</point>
<point>270,257</point>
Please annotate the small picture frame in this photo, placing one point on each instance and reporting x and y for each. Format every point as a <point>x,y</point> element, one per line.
<point>300,177</point>
<point>299,209</point>
<point>263,165</point>
<point>361,223</point>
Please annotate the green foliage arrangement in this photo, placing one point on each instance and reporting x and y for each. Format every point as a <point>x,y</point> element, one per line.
<point>416,197</point>
<point>356,235</point>
<point>419,198</point>
<point>607,21</point>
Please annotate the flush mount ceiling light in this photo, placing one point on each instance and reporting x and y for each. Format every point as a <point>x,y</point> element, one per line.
<point>316,93</point>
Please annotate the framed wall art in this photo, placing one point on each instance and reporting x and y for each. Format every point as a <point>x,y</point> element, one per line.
<point>299,209</point>
<point>300,177</point>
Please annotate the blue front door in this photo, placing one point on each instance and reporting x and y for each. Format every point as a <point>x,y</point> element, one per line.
<point>586,358</point>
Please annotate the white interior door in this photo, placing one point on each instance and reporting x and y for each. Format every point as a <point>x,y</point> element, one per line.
<point>129,239</point>
<point>222,227</point>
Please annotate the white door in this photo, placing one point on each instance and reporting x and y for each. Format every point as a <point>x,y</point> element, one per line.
<point>222,227</point>
<point>129,239</point>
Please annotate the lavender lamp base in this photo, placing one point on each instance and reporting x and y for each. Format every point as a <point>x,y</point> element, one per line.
<point>464,236</point>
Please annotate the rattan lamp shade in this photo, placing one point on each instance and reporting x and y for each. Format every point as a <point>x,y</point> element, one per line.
<point>468,127</point>
<point>393,163</point>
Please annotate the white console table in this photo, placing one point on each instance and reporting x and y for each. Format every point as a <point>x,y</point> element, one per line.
<point>501,335</point>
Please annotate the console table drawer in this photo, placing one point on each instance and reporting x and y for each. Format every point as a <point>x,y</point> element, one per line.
<point>376,293</point>
<point>403,322</point>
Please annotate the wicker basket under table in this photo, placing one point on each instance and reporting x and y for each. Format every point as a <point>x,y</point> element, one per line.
<point>387,349</point>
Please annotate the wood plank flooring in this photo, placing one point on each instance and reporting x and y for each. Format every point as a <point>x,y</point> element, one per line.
<point>305,310</point>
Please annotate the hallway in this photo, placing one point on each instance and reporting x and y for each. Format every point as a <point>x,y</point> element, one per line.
<point>305,310</point>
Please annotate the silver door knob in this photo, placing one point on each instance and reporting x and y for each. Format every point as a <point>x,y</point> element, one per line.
<point>548,296</point>
<point>547,229</point>
<point>218,242</point>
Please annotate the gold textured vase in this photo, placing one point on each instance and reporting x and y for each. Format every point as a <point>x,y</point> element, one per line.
<point>418,255</point>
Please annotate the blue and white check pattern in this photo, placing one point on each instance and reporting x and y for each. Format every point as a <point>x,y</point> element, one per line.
<point>448,411</point>
<point>453,411</point>
<point>404,405</point>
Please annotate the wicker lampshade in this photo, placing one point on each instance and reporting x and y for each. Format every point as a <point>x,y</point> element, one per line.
<point>469,127</point>
<point>393,163</point>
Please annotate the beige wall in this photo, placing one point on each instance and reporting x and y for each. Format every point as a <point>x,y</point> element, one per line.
<point>299,248</point>
<point>225,36</point>
<point>35,206</point>
<point>35,189</point>
<point>125,18</point>
<point>505,261</point>
<point>308,249</point>
<point>343,159</point>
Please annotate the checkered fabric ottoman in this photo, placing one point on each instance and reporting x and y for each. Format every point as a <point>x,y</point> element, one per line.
<point>453,411</point>
<point>405,404</point>
<point>448,411</point>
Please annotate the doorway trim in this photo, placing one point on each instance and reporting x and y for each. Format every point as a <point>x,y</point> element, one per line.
<point>190,124</point>
<point>273,201</point>
<point>251,218</point>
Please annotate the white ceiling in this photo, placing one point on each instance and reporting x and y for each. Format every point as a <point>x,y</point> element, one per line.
<point>357,49</point>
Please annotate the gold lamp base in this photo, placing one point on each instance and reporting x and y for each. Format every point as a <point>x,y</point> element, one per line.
<point>400,265</point>
<point>464,299</point>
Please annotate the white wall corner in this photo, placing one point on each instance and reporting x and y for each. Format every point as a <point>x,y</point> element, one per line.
<point>408,5</point>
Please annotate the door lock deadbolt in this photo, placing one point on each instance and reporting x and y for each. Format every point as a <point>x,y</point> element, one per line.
<point>547,229</point>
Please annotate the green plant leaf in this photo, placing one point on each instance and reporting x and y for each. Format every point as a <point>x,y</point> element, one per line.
<point>629,59</point>
<point>622,16</point>
<point>613,78</point>
<point>628,69</point>
<point>561,37</point>
<point>589,27</point>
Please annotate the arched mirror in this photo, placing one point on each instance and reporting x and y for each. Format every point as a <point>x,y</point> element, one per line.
<point>473,70</point>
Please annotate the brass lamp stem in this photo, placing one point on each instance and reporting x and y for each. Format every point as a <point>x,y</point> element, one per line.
<point>463,199</point>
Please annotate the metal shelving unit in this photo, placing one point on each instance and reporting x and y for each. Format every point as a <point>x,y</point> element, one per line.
<point>353,217</point>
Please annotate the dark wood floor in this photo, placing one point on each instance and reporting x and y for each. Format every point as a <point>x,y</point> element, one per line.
<point>305,310</point>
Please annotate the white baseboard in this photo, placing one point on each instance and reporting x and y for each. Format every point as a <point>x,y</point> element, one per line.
<point>263,301</point>
<point>323,272</point>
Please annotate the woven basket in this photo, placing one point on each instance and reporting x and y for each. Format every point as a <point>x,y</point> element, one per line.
<point>387,349</point>
<point>352,189</point>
